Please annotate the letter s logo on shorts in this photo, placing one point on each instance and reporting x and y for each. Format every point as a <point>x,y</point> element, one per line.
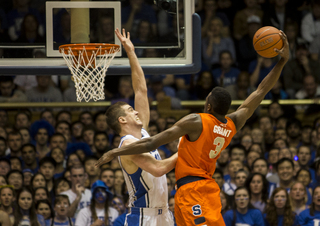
<point>196,210</point>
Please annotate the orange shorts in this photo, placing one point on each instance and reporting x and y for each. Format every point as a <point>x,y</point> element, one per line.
<point>198,203</point>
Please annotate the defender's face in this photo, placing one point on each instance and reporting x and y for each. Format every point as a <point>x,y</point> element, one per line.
<point>132,116</point>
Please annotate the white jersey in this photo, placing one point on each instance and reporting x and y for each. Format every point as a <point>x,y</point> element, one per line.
<point>145,190</point>
<point>84,202</point>
<point>84,217</point>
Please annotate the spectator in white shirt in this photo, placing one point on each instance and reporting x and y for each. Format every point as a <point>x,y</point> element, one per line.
<point>99,212</point>
<point>79,196</point>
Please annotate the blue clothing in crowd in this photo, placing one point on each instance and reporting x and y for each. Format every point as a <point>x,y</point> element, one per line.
<point>305,219</point>
<point>280,220</point>
<point>252,217</point>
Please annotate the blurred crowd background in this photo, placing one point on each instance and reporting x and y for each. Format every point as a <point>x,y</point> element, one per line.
<point>272,165</point>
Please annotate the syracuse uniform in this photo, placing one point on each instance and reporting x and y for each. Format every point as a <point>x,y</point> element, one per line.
<point>197,201</point>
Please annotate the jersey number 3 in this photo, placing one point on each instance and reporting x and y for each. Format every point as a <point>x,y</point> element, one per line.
<point>219,142</point>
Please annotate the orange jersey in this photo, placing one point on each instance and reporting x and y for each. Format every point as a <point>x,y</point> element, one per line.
<point>198,158</point>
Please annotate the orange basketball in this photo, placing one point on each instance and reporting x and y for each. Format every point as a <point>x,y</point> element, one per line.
<point>265,40</point>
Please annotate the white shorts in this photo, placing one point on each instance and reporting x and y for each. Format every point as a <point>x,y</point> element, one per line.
<point>149,217</point>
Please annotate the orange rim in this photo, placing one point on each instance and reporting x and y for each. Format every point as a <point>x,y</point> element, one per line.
<point>76,48</point>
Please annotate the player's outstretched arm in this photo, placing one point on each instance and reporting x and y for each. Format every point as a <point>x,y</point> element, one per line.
<point>190,124</point>
<point>246,110</point>
<point>138,80</point>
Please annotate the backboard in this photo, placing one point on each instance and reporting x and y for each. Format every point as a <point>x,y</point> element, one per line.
<point>166,41</point>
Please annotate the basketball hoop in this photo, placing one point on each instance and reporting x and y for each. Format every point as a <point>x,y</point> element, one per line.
<point>88,64</point>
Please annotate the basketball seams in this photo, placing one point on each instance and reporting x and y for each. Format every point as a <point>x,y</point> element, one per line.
<point>270,46</point>
<point>266,36</point>
<point>265,40</point>
<point>264,31</point>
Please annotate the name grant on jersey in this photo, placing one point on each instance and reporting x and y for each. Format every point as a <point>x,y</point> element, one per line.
<point>222,131</point>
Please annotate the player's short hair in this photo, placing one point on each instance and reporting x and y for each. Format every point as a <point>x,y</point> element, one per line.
<point>113,113</point>
<point>220,100</point>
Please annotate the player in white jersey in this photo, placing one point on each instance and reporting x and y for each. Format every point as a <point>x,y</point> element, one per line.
<point>144,173</point>
<point>101,197</point>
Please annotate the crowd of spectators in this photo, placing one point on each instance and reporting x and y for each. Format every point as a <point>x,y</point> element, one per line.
<point>228,56</point>
<point>270,173</point>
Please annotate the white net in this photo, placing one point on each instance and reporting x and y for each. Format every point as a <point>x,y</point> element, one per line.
<point>88,69</point>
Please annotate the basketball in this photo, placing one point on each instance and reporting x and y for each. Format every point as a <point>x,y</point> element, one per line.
<point>265,40</point>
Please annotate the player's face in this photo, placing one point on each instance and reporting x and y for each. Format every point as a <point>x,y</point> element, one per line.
<point>132,116</point>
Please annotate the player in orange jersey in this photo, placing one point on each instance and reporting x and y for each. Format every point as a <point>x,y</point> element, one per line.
<point>203,136</point>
